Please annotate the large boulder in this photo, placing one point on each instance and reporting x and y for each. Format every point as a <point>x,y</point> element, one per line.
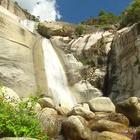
<point>115,117</point>
<point>84,91</point>
<point>50,121</point>
<point>74,128</point>
<point>82,110</point>
<point>106,125</point>
<point>123,80</point>
<point>131,109</point>
<point>111,136</point>
<point>46,102</point>
<point>9,95</point>
<point>101,104</point>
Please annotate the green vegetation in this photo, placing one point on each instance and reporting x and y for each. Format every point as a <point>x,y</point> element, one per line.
<point>79,30</point>
<point>20,120</point>
<point>132,14</point>
<point>104,20</point>
<point>44,31</point>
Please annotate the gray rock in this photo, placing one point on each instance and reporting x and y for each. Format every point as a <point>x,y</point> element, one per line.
<point>101,104</point>
<point>83,110</point>
<point>124,65</point>
<point>46,102</point>
<point>131,109</point>
<point>75,128</point>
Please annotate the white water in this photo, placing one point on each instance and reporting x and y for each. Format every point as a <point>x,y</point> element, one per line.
<point>57,80</point>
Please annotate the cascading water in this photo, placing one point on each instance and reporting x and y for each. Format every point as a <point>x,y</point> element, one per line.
<point>57,80</point>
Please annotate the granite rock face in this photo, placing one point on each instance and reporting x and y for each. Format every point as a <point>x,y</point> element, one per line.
<point>16,60</point>
<point>14,8</point>
<point>124,64</point>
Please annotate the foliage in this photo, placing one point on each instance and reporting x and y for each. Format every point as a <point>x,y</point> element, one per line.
<point>79,30</point>
<point>20,120</point>
<point>104,18</point>
<point>107,18</point>
<point>132,14</point>
<point>44,31</point>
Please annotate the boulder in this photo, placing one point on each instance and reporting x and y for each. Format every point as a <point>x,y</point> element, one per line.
<point>131,109</point>
<point>46,102</point>
<point>83,110</point>
<point>101,104</point>
<point>84,91</point>
<point>115,117</point>
<point>9,95</point>
<point>74,128</point>
<point>105,125</point>
<point>50,121</point>
<point>111,136</point>
<point>62,110</point>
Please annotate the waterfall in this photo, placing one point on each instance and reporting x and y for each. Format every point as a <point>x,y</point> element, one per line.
<point>57,80</point>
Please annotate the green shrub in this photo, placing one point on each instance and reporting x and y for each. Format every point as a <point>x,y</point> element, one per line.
<point>44,31</point>
<point>132,14</point>
<point>20,120</point>
<point>79,30</point>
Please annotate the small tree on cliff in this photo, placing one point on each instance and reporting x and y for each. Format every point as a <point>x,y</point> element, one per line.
<point>132,14</point>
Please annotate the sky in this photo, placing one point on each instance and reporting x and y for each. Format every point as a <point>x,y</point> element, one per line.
<point>73,11</point>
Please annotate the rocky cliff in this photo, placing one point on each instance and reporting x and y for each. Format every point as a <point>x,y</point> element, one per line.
<point>14,8</point>
<point>124,64</point>
<point>16,61</point>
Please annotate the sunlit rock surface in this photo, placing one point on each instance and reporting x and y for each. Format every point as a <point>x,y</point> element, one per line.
<point>124,64</point>
<point>16,61</point>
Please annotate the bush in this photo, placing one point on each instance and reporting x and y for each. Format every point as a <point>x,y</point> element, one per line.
<point>20,120</point>
<point>79,30</point>
<point>132,14</point>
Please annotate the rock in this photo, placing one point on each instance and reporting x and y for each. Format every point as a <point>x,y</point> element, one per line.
<point>131,109</point>
<point>9,95</point>
<point>111,136</point>
<point>84,91</point>
<point>16,59</point>
<point>95,76</point>
<point>62,110</point>
<point>101,104</point>
<point>38,108</point>
<point>46,102</point>
<point>74,128</point>
<point>83,111</point>
<point>115,117</point>
<point>23,138</point>
<point>105,125</point>
<point>50,121</point>
<point>49,29</point>
<point>123,78</point>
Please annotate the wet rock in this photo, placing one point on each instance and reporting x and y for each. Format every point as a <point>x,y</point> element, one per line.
<point>83,110</point>
<point>46,102</point>
<point>131,109</point>
<point>74,128</point>
<point>101,104</point>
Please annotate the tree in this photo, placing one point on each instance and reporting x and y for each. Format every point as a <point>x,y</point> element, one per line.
<point>132,14</point>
